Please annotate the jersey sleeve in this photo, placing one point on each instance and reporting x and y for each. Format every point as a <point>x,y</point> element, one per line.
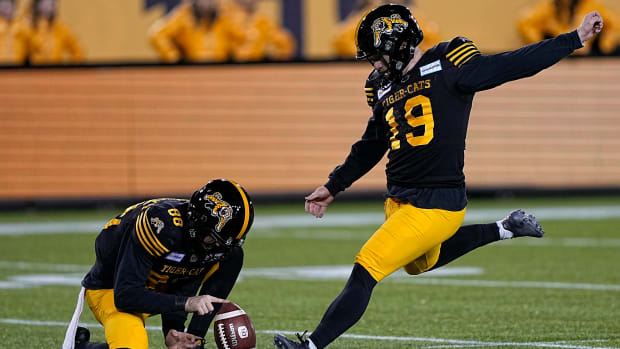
<point>364,155</point>
<point>477,72</point>
<point>136,259</point>
<point>372,86</point>
<point>460,51</point>
<point>149,230</point>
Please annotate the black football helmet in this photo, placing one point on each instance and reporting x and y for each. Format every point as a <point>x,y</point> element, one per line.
<point>388,30</point>
<point>223,210</point>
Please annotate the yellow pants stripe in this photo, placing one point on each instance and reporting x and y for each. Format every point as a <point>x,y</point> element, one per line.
<point>122,330</point>
<point>411,237</point>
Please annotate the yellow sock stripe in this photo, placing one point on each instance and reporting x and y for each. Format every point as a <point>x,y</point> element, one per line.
<point>461,54</point>
<point>152,238</point>
<point>370,94</point>
<point>142,239</point>
<point>466,58</point>
<point>368,88</point>
<point>449,55</point>
<point>246,205</point>
<point>210,272</point>
<point>461,51</point>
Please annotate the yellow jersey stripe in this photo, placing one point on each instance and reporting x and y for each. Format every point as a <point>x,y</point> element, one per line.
<point>368,88</point>
<point>461,51</point>
<point>114,221</point>
<point>464,52</point>
<point>457,49</point>
<point>145,237</point>
<point>370,94</point>
<point>142,238</point>
<point>144,232</point>
<point>210,272</point>
<point>246,204</point>
<point>466,58</point>
<point>152,238</point>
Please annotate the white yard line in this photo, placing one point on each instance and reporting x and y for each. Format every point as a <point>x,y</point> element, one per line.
<point>330,220</point>
<point>74,274</point>
<point>457,342</point>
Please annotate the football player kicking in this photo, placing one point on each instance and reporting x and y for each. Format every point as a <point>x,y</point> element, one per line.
<point>420,116</point>
<point>155,258</point>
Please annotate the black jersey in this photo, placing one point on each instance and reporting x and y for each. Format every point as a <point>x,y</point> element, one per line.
<point>422,118</point>
<point>143,256</point>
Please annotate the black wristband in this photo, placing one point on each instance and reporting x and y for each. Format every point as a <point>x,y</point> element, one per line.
<point>179,303</point>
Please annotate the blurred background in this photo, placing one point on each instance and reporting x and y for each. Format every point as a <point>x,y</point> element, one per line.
<point>116,100</point>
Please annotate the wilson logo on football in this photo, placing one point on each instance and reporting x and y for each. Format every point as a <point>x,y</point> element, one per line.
<point>387,25</point>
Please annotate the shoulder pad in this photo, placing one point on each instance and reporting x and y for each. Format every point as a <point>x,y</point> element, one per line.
<point>373,83</point>
<point>158,228</point>
<point>460,50</point>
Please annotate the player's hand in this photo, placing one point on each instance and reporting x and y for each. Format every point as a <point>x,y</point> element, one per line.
<point>180,340</point>
<point>317,202</point>
<point>202,304</point>
<point>592,24</point>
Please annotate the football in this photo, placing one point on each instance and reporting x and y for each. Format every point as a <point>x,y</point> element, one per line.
<point>233,328</point>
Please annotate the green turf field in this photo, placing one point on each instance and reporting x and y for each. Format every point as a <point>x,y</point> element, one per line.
<point>562,291</point>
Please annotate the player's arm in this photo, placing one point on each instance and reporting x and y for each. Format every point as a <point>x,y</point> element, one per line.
<point>136,260</point>
<point>218,282</point>
<point>373,83</point>
<point>478,72</point>
<point>364,155</point>
<point>176,320</point>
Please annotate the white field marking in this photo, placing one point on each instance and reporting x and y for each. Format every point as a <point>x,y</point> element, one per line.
<point>342,272</point>
<point>44,266</point>
<point>489,345</point>
<point>330,220</point>
<point>286,273</point>
<point>363,235</point>
<point>352,336</point>
<point>319,273</point>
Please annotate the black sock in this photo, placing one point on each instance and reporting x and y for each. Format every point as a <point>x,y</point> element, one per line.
<point>466,239</point>
<point>346,309</point>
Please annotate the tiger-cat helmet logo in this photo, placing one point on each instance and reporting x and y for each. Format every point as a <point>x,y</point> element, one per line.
<point>387,25</point>
<point>219,208</point>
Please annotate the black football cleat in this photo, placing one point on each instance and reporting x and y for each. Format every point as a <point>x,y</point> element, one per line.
<point>281,342</point>
<point>522,224</point>
<point>82,335</point>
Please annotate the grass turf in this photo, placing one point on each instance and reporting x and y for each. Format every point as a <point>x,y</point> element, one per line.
<point>504,313</point>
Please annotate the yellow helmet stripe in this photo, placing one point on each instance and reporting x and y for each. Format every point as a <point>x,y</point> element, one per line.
<point>246,205</point>
<point>357,28</point>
